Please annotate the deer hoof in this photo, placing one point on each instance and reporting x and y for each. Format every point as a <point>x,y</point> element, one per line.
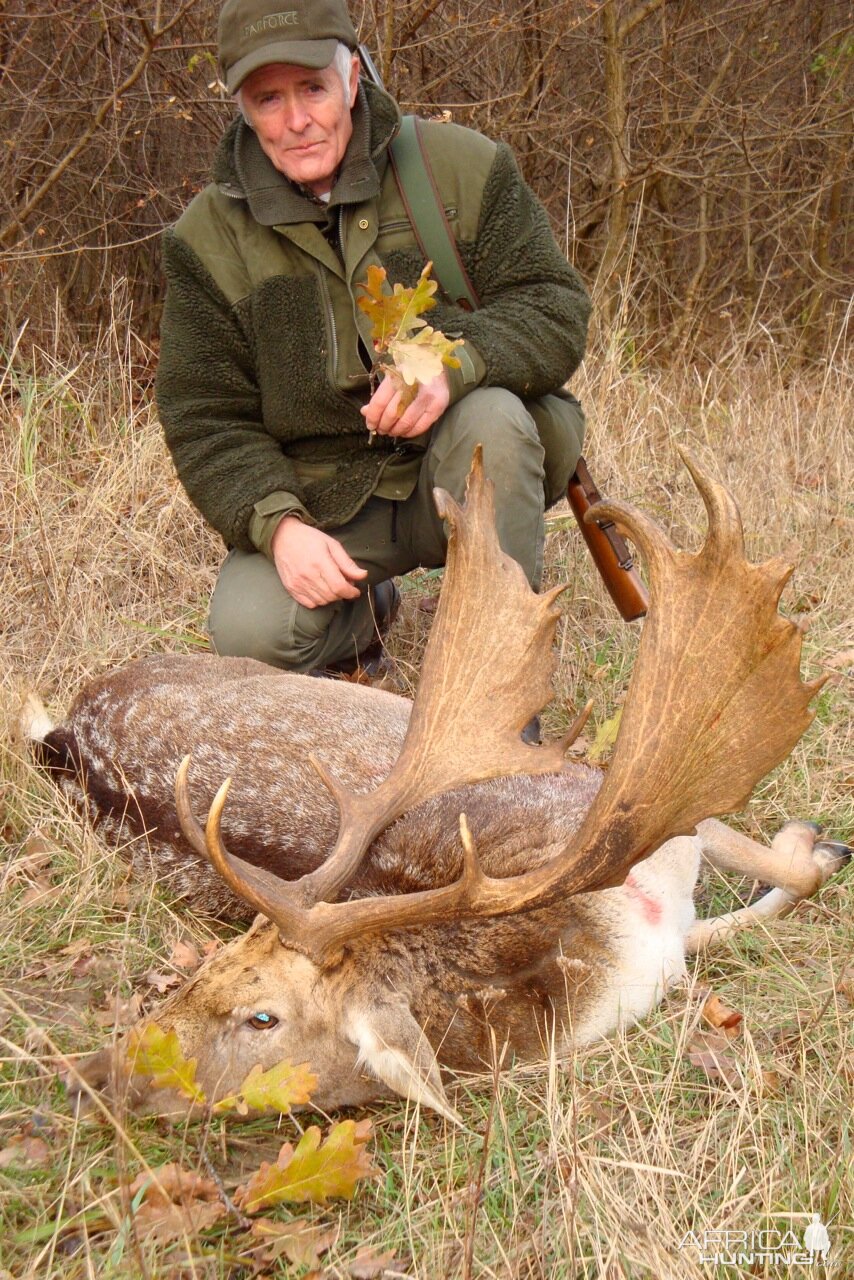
<point>831,856</point>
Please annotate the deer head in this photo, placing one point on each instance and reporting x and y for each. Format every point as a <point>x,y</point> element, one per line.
<point>715,701</point>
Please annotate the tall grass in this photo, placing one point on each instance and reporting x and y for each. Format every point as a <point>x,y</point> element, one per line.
<point>595,1167</point>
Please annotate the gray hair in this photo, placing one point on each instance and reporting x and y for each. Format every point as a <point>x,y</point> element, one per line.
<point>342,61</point>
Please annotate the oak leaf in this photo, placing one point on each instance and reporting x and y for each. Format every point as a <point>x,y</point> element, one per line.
<point>162,982</point>
<point>313,1171</point>
<point>409,351</point>
<point>302,1242</point>
<point>606,736</point>
<point>711,1052</point>
<point>25,1149</point>
<point>721,1016</point>
<point>369,1265</point>
<point>279,1089</point>
<point>421,357</point>
<point>173,1202</point>
<point>156,1054</point>
<point>185,955</point>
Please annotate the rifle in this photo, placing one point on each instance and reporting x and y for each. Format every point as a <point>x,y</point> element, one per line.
<point>411,167</point>
<point>610,551</point>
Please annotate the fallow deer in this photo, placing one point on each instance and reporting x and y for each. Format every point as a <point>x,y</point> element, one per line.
<point>560,904</point>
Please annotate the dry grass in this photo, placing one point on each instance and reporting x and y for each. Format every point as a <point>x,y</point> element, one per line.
<point>594,1168</point>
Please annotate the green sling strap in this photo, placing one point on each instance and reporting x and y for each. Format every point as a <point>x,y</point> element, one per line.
<point>426,212</point>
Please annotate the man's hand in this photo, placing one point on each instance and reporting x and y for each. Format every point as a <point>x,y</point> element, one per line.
<point>382,412</point>
<point>313,567</point>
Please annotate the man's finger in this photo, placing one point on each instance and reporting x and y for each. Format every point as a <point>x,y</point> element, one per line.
<point>345,563</point>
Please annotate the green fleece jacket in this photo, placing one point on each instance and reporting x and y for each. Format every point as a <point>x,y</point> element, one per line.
<point>264,355</point>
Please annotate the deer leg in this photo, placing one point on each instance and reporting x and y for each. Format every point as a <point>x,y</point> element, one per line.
<point>797,864</point>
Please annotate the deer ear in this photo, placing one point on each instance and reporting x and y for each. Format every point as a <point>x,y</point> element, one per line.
<point>395,1049</point>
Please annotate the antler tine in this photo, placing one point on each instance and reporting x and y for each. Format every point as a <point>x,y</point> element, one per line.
<point>487,670</point>
<point>260,888</point>
<point>188,821</point>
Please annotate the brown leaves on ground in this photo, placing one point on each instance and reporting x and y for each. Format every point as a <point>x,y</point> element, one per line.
<point>313,1171</point>
<point>717,1051</point>
<point>303,1243</point>
<point>721,1016</point>
<point>174,1203</point>
<point>25,1149</point>
<point>712,1053</point>
<point>370,1265</point>
<point>187,956</point>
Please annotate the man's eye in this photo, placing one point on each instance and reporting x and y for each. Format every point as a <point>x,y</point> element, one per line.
<point>262,1021</point>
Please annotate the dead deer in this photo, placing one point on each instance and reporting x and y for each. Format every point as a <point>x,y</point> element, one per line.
<point>559,906</point>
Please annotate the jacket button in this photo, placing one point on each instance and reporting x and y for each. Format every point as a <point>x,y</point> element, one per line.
<point>363,224</point>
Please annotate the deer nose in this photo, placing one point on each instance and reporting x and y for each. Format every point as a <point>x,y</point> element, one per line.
<point>93,1073</point>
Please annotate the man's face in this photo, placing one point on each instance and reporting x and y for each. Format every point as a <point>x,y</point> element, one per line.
<point>302,120</point>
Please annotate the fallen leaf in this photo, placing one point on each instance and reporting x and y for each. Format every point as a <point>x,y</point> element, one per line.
<point>41,891</point>
<point>368,1264</point>
<point>25,1149</point>
<point>282,1087</point>
<point>157,1055</point>
<point>38,852</point>
<point>174,1203</point>
<point>711,1052</point>
<point>719,1015</point>
<point>118,1012</point>
<point>312,1172</point>
<point>163,982</point>
<point>606,736</point>
<point>839,661</point>
<point>185,956</point>
<point>302,1242</point>
<point>768,1081</point>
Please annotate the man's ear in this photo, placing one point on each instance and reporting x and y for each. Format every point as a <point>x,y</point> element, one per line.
<point>355,69</point>
<point>395,1049</point>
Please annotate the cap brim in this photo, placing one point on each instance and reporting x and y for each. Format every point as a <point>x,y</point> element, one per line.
<point>296,53</point>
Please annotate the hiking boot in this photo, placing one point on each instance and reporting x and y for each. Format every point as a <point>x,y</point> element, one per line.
<point>532,733</point>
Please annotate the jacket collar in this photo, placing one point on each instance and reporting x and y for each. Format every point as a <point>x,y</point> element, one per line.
<point>242,170</point>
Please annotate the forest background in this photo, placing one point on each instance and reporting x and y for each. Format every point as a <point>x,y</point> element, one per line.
<point>693,156</point>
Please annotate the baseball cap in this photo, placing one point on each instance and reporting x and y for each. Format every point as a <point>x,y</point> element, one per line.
<point>253,33</point>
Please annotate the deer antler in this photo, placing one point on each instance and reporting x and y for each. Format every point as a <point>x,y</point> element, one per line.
<point>715,702</point>
<point>487,670</point>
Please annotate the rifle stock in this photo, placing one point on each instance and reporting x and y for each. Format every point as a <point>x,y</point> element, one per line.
<point>609,549</point>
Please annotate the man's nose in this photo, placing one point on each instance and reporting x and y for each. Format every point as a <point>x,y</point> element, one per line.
<point>296,116</point>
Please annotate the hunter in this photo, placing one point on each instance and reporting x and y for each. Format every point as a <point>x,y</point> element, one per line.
<point>320,486</point>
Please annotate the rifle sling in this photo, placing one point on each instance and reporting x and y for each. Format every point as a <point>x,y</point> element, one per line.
<point>426,212</point>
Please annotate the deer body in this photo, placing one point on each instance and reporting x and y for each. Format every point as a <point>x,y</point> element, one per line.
<point>118,752</point>
<point>422,939</point>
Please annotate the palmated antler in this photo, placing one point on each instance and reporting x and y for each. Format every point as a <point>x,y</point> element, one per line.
<point>715,701</point>
<point>487,670</point>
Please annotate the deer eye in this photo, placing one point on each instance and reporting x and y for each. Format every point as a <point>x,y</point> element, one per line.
<point>261,1021</point>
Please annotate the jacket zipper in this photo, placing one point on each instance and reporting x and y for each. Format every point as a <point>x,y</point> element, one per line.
<point>333,332</point>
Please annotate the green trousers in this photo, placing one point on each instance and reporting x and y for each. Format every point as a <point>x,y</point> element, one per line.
<point>530,449</point>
